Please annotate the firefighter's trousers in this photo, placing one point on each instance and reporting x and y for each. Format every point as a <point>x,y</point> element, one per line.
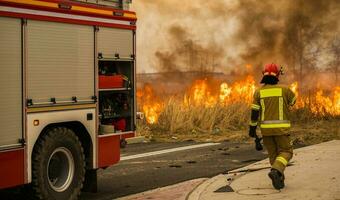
<point>280,151</point>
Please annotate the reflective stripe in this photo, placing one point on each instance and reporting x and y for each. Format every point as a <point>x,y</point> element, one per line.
<point>255,107</point>
<point>286,125</point>
<point>253,123</point>
<point>293,101</point>
<point>276,122</point>
<point>282,160</point>
<point>280,108</point>
<point>270,73</point>
<point>271,92</point>
<point>263,109</point>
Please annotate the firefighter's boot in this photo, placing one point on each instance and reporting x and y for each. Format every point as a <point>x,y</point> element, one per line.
<point>277,179</point>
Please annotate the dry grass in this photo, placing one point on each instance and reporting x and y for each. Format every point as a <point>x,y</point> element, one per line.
<point>179,122</point>
<point>178,118</point>
<point>315,132</point>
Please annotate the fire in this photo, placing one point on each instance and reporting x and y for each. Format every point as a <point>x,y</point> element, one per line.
<point>300,102</point>
<point>243,90</point>
<point>209,93</point>
<point>317,102</point>
<point>225,92</point>
<point>201,93</point>
<point>152,106</point>
<point>294,88</point>
<point>324,105</point>
<point>337,100</point>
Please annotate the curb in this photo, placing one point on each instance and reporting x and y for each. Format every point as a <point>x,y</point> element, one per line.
<point>149,192</point>
<point>232,175</point>
<point>195,194</point>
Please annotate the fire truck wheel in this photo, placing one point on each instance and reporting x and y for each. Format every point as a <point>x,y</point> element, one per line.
<point>58,165</point>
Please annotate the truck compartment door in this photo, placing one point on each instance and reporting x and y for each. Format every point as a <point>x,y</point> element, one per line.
<point>10,82</point>
<point>60,61</point>
<point>113,42</point>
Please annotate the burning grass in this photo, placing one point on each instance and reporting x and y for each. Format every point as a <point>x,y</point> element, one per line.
<point>183,122</point>
<point>213,110</point>
<point>177,117</point>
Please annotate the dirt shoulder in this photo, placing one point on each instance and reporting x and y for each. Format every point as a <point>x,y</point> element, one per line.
<point>303,133</point>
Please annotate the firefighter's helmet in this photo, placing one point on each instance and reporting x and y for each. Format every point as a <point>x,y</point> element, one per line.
<point>271,70</point>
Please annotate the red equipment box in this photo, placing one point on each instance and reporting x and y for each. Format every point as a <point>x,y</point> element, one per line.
<point>120,124</point>
<point>114,81</point>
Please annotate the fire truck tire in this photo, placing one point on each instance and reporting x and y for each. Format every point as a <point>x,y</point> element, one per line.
<point>58,165</point>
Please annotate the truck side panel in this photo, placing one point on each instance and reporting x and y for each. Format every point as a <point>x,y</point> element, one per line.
<point>60,61</point>
<point>10,82</point>
<point>47,118</point>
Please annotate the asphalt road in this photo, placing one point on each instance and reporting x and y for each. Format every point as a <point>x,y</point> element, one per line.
<point>142,174</point>
<point>146,173</point>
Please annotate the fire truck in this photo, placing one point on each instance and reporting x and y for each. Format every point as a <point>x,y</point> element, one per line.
<point>67,83</point>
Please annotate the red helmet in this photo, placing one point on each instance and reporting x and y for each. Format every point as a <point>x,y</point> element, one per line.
<point>271,70</point>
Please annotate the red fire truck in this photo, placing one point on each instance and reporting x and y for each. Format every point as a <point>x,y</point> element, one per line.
<point>67,83</point>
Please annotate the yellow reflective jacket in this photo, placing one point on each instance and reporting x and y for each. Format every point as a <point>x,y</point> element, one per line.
<point>273,102</point>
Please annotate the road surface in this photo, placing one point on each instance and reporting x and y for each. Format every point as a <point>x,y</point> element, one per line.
<point>146,173</point>
<point>152,165</point>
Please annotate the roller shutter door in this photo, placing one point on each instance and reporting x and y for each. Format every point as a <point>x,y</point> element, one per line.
<point>60,61</point>
<point>112,41</point>
<point>10,81</point>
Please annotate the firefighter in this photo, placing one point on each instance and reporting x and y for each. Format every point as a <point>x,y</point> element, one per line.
<point>270,110</point>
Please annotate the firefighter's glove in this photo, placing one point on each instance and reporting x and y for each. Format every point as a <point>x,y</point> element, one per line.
<point>252,131</point>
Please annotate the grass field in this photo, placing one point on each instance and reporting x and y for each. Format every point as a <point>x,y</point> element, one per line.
<point>180,122</point>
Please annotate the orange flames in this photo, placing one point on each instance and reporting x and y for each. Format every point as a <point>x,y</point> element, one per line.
<point>242,91</point>
<point>317,102</point>
<point>300,102</point>
<point>324,105</point>
<point>208,93</point>
<point>151,105</point>
<point>202,92</point>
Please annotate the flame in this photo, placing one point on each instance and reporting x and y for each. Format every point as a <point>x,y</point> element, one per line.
<point>200,94</point>
<point>324,105</point>
<point>337,100</point>
<point>152,106</point>
<point>300,102</point>
<point>225,92</point>
<point>318,103</point>
<point>294,88</point>
<point>243,90</point>
<point>208,93</point>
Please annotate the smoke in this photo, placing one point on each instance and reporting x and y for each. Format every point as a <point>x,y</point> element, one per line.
<point>224,35</point>
<point>186,54</point>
